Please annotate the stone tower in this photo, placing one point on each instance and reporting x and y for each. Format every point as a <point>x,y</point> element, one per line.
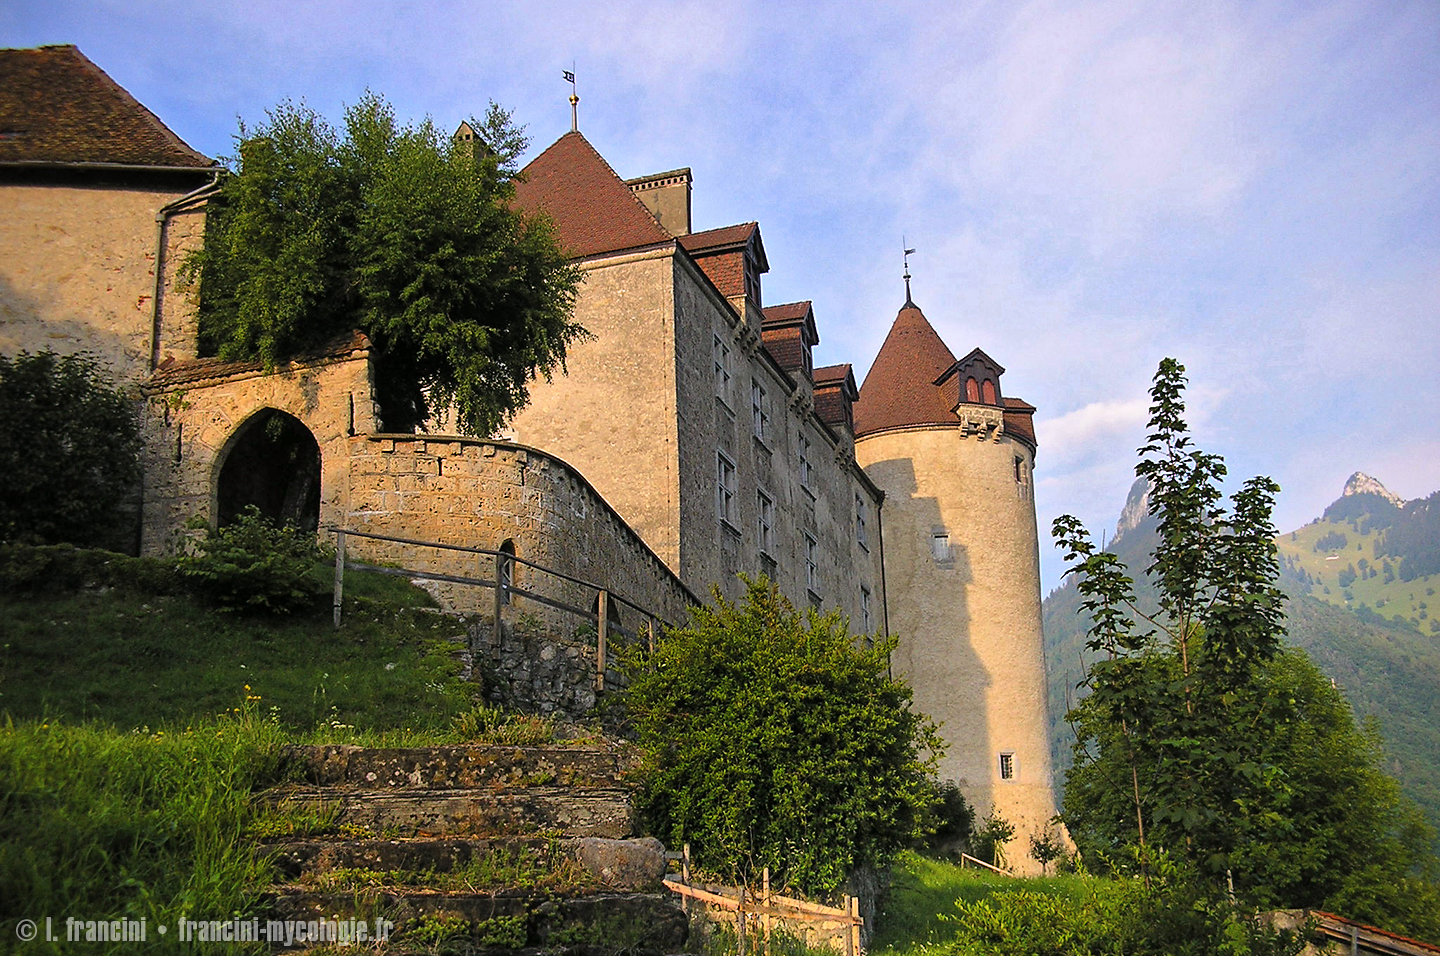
<point>954,457</point>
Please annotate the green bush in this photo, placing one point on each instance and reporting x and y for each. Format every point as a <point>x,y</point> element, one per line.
<point>252,565</point>
<point>950,820</point>
<point>69,451</point>
<point>776,740</point>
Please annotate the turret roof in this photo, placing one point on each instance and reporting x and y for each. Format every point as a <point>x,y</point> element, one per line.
<point>594,211</point>
<point>900,388</point>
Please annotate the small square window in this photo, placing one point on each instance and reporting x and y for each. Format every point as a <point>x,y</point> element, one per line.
<point>940,546</point>
<point>1007,766</point>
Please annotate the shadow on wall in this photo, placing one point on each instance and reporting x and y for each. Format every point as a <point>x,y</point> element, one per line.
<point>26,325</point>
<point>272,461</point>
<point>928,574</point>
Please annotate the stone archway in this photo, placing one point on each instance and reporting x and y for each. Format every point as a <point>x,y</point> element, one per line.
<point>272,461</point>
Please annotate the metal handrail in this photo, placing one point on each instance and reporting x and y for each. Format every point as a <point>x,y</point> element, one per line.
<point>600,617</point>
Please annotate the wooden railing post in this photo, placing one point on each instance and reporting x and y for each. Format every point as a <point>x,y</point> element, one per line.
<point>765,902</point>
<point>339,572</point>
<point>602,628</point>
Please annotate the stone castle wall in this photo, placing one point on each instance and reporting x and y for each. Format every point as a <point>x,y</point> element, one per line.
<point>481,494</point>
<point>192,416</point>
<point>77,273</point>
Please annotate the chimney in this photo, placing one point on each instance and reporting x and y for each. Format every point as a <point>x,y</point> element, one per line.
<point>667,196</point>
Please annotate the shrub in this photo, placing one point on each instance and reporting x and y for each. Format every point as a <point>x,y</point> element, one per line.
<point>989,841</point>
<point>951,821</point>
<point>773,739</point>
<point>252,565</point>
<point>69,451</point>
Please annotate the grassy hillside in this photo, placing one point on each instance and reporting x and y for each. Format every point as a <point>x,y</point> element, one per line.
<point>1341,562</point>
<point>114,640</point>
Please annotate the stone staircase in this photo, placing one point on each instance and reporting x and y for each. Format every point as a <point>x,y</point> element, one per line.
<point>472,849</point>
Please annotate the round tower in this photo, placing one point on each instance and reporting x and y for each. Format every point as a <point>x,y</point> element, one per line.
<point>954,456</point>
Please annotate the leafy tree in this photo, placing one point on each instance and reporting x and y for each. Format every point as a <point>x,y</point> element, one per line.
<point>69,451</point>
<point>1201,735</point>
<point>775,739</point>
<point>402,233</point>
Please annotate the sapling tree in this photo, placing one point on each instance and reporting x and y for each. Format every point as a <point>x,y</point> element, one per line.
<point>1202,736</point>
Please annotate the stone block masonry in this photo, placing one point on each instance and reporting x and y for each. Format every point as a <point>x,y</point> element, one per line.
<point>503,496</point>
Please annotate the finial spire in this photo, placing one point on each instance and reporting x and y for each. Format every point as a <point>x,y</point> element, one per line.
<point>574,100</point>
<point>909,304</point>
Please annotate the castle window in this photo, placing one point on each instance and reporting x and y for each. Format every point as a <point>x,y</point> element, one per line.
<point>804,453</point>
<point>765,511</point>
<point>722,370</point>
<point>940,545</point>
<point>861,535</point>
<point>1019,468</point>
<point>987,392</point>
<point>865,625</point>
<point>1007,766</point>
<point>812,564</point>
<point>759,410</point>
<point>972,390</point>
<point>724,489</point>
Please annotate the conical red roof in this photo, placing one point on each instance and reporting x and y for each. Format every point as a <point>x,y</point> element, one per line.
<point>592,207</point>
<point>900,388</point>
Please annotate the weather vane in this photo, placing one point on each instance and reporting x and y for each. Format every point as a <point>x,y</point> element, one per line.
<point>908,253</point>
<point>574,99</point>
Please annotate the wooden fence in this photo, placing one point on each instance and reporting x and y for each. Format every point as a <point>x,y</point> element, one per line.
<point>502,565</point>
<point>759,914</point>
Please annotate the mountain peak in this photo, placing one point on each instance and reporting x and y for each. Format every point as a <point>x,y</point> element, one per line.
<point>1362,484</point>
<point>1137,508</point>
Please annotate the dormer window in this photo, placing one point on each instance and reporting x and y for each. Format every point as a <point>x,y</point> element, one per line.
<point>977,379</point>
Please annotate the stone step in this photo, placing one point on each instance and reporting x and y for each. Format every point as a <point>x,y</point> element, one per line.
<point>576,863</point>
<point>507,921</point>
<point>477,812</point>
<point>461,766</point>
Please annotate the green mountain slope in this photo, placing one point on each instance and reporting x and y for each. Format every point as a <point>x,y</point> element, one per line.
<point>1388,667</point>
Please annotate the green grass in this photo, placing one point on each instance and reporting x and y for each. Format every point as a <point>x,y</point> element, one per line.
<point>103,825</point>
<point>923,893</point>
<point>135,658</point>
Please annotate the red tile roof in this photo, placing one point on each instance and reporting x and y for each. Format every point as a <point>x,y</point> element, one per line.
<point>594,210</point>
<point>900,387</point>
<point>1019,419</point>
<point>789,312</point>
<point>58,107</point>
<point>727,238</point>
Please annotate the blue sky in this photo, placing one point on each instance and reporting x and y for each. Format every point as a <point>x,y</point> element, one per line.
<point>1253,188</point>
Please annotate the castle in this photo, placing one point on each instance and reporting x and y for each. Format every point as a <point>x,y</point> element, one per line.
<point>691,440</point>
